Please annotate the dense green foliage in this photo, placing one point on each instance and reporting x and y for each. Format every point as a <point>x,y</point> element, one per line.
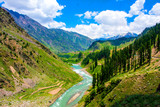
<point>139,100</point>
<point>52,38</point>
<point>123,41</point>
<point>121,61</point>
<point>71,58</point>
<point>94,56</point>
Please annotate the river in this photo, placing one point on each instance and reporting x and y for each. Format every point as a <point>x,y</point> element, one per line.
<point>73,95</point>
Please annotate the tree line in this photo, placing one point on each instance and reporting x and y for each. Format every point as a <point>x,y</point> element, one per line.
<point>121,61</point>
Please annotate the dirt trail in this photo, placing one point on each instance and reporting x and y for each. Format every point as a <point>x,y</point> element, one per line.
<point>56,84</point>
<point>45,88</point>
<point>21,96</point>
<point>53,92</point>
<point>14,71</point>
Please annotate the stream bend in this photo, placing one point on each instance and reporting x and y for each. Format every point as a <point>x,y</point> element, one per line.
<point>73,95</point>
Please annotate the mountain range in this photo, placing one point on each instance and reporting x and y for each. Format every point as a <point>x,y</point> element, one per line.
<point>119,41</point>
<point>127,35</point>
<point>52,38</point>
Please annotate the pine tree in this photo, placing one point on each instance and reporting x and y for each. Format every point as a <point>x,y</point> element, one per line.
<point>96,63</point>
<point>124,65</point>
<point>80,55</point>
<point>149,51</point>
<point>158,42</point>
<point>94,80</point>
<point>140,56</point>
<point>130,50</point>
<point>135,64</point>
<point>128,68</point>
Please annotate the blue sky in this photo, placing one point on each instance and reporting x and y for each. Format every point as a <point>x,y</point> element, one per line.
<point>81,6</point>
<point>92,18</point>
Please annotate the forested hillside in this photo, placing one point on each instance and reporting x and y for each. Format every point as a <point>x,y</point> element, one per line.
<point>29,70</point>
<point>106,65</point>
<point>119,43</point>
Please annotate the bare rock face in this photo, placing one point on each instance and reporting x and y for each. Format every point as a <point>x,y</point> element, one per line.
<point>28,83</point>
<point>3,92</point>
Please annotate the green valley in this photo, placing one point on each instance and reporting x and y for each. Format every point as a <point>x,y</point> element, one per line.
<point>75,53</point>
<point>52,38</point>
<point>28,70</point>
<point>125,77</point>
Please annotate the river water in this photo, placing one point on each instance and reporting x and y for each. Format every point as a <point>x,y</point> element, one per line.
<point>76,91</point>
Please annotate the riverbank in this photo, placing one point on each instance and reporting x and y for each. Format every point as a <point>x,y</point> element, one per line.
<point>84,69</point>
<point>73,95</point>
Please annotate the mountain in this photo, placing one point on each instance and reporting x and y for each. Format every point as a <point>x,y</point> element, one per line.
<point>28,69</point>
<point>100,39</point>
<point>126,77</point>
<point>57,40</point>
<point>127,35</point>
<point>120,42</point>
<point>115,37</point>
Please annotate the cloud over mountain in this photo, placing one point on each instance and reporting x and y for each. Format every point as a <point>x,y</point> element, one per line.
<point>42,11</point>
<point>110,22</point>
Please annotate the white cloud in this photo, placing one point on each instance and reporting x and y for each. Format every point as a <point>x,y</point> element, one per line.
<point>79,15</point>
<point>142,21</point>
<point>136,8</point>
<point>55,24</point>
<point>113,18</point>
<point>155,10</point>
<point>82,21</point>
<point>89,14</point>
<point>109,23</point>
<point>42,11</point>
<point>92,30</point>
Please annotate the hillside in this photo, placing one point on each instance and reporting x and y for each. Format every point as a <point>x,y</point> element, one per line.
<point>126,77</point>
<point>131,88</point>
<point>120,43</point>
<point>28,70</point>
<point>52,38</point>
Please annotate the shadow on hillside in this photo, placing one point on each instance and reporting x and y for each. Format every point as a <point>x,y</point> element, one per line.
<point>139,101</point>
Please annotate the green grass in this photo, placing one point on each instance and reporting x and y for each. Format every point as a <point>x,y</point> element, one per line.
<point>139,101</point>
<point>137,85</point>
<point>31,60</point>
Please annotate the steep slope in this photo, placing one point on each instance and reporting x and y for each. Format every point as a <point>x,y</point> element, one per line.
<point>28,70</point>
<point>120,42</point>
<point>126,77</point>
<point>55,39</point>
<point>134,88</point>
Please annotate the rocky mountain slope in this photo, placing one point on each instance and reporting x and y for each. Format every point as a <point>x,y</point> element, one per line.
<point>29,70</point>
<point>56,40</point>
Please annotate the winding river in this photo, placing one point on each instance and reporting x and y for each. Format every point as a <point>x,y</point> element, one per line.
<point>76,92</point>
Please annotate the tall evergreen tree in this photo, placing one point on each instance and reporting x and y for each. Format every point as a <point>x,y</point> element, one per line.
<point>94,80</point>
<point>149,51</point>
<point>158,42</point>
